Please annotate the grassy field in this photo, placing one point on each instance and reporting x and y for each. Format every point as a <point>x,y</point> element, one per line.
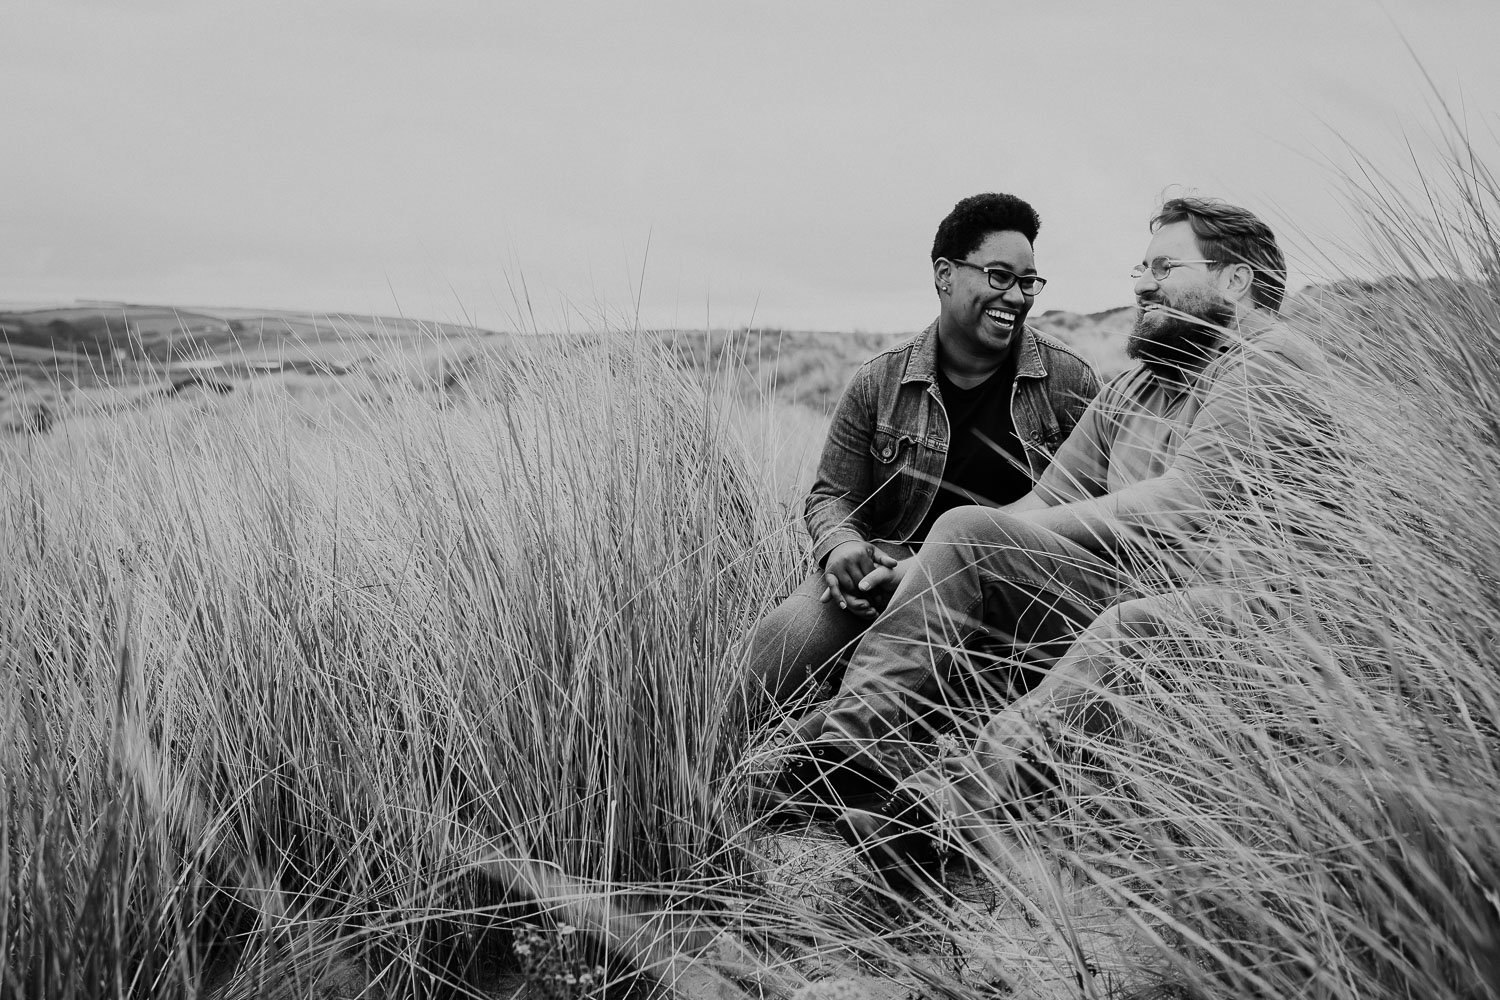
<point>415,689</point>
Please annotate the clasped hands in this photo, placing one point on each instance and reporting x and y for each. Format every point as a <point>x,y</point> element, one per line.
<point>861,578</point>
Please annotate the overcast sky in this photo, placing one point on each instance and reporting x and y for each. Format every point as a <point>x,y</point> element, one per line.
<point>786,163</point>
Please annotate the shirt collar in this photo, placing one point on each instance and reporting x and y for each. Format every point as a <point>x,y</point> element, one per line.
<point>922,366</point>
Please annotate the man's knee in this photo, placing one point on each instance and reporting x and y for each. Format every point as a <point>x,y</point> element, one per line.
<point>1120,641</point>
<point>1140,618</point>
<point>973,524</point>
<point>1110,635</point>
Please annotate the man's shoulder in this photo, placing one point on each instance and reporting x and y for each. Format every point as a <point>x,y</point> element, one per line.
<point>1130,384</point>
<point>1275,352</point>
<point>1292,346</point>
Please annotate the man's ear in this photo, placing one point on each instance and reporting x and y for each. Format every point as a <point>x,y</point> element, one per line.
<point>1239,281</point>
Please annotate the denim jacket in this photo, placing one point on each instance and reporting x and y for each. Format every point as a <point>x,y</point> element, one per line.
<point>888,440</point>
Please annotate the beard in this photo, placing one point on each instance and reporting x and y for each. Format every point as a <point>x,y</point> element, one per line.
<point>1172,344</point>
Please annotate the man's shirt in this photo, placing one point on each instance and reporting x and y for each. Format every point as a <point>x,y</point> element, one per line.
<point>1169,456</point>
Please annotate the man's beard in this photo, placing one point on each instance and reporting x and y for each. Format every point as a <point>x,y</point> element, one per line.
<point>1173,344</point>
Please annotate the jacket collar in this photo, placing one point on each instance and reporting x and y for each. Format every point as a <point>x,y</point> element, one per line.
<point>921,366</point>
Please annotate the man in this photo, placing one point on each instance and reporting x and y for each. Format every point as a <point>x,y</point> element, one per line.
<point>1122,509</point>
<point>967,412</point>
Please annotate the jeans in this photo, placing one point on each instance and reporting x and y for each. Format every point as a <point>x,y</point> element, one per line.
<point>1084,695</point>
<point>982,573</point>
<point>802,643</point>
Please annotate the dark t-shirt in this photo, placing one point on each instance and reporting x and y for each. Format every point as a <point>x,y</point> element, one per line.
<point>986,463</point>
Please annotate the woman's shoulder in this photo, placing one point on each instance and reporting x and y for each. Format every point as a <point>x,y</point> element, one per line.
<point>1055,352</point>
<point>1065,366</point>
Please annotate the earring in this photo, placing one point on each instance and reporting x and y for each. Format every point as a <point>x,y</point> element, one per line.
<point>945,289</point>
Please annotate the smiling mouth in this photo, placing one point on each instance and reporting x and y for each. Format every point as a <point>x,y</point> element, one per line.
<point>1003,317</point>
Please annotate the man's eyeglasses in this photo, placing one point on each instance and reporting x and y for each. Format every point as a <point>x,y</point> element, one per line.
<point>1160,267</point>
<point>1002,280</point>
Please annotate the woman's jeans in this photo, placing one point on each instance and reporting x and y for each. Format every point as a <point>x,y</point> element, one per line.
<point>804,643</point>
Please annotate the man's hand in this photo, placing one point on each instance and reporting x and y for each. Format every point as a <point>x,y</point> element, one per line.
<point>881,582</point>
<point>846,566</point>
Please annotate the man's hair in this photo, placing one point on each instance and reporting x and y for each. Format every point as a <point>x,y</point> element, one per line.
<point>1229,234</point>
<point>976,217</point>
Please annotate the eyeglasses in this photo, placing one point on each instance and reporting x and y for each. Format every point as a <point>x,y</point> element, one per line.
<point>1002,280</point>
<point>1160,267</point>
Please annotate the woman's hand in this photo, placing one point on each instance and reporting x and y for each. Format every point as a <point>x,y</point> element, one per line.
<point>847,566</point>
<point>881,582</point>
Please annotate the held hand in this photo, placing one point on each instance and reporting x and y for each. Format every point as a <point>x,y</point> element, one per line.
<point>846,565</point>
<point>881,582</point>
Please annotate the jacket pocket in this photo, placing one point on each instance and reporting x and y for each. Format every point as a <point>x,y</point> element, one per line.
<point>892,479</point>
<point>887,448</point>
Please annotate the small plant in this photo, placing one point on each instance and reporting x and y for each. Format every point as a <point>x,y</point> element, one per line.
<point>557,965</point>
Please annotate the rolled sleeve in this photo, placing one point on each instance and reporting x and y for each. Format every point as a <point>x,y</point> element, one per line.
<point>1258,407</point>
<point>1080,468</point>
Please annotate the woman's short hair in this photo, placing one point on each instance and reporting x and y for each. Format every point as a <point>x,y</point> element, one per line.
<point>976,217</point>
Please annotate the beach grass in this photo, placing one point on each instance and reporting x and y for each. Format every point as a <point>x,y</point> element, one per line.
<point>416,693</point>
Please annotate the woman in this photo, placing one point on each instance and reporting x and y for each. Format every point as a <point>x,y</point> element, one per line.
<point>968,411</point>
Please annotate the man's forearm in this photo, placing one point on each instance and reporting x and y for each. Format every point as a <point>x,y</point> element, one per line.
<point>1163,507</point>
<point>1089,523</point>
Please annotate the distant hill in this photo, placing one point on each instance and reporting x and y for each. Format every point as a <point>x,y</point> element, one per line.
<point>165,334</point>
<point>117,332</point>
<point>49,354</point>
<point>88,344</point>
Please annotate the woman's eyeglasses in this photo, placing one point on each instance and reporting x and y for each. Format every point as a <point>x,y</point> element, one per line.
<point>1001,279</point>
